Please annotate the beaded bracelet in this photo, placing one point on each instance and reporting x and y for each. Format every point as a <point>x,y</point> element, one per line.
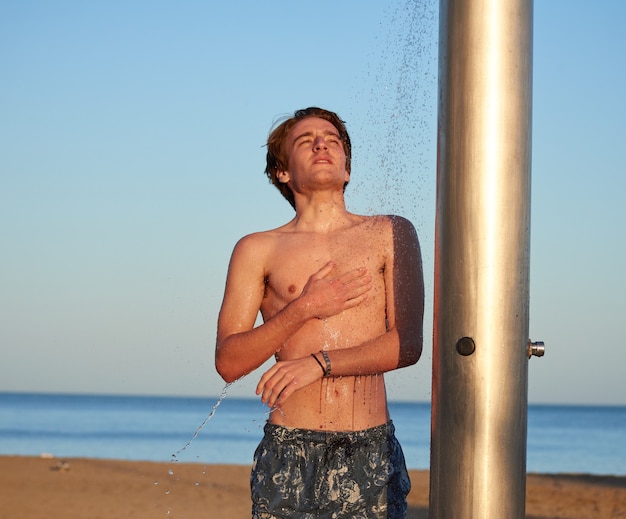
<point>327,360</point>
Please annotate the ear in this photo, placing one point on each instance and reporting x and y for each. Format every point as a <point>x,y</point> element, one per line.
<point>283,176</point>
<point>347,176</point>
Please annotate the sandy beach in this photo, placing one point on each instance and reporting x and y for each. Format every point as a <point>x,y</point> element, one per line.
<point>50,488</point>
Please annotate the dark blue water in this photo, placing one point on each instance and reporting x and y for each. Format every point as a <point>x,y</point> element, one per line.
<point>573,439</point>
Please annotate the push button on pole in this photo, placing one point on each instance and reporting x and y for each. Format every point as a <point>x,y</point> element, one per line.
<point>465,346</point>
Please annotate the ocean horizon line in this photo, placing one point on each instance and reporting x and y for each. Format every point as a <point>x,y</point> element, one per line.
<point>217,396</point>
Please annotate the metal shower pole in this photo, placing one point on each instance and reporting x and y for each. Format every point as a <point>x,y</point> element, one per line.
<point>482,243</point>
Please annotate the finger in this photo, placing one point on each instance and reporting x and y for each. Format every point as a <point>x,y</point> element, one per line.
<point>285,394</point>
<point>276,379</point>
<point>354,301</point>
<point>290,386</point>
<point>357,287</point>
<point>281,390</point>
<point>324,271</point>
<point>354,275</point>
<point>268,383</point>
<point>260,387</point>
<point>268,393</point>
<point>271,389</point>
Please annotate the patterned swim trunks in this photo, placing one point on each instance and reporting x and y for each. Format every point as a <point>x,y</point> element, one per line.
<point>306,474</point>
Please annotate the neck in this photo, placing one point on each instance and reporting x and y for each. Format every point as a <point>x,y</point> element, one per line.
<point>321,215</point>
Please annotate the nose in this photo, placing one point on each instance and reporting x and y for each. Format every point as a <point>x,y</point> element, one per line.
<point>319,143</point>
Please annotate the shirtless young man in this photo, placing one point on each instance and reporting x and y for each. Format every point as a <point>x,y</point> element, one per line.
<point>341,297</point>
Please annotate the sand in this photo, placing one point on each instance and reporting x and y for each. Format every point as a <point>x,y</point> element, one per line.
<point>40,488</point>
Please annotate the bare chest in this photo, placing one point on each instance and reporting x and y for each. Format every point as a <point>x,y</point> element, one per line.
<point>298,257</point>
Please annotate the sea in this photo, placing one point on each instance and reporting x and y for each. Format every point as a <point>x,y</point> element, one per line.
<point>561,438</point>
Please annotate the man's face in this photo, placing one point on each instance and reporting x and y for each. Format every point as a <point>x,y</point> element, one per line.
<point>316,154</point>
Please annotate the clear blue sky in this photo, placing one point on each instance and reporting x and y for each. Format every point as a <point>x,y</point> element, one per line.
<point>132,160</point>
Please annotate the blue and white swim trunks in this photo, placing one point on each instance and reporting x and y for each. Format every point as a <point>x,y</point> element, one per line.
<point>308,474</point>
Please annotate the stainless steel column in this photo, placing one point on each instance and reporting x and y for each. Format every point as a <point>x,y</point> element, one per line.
<point>480,371</point>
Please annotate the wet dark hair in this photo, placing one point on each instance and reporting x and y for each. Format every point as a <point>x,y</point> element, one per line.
<point>277,156</point>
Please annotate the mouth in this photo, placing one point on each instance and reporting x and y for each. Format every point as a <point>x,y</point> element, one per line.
<point>322,160</point>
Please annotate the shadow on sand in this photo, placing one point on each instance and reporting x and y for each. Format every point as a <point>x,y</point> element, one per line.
<point>417,512</point>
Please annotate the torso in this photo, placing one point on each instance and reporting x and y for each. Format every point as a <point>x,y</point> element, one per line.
<point>332,403</point>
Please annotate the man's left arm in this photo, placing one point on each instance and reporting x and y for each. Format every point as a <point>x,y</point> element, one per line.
<point>401,345</point>
<point>398,347</point>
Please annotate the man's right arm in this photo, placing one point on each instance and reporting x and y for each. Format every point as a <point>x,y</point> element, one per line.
<point>240,347</point>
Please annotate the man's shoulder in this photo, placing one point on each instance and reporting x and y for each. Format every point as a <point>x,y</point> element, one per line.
<point>393,229</point>
<point>258,241</point>
<point>388,222</point>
